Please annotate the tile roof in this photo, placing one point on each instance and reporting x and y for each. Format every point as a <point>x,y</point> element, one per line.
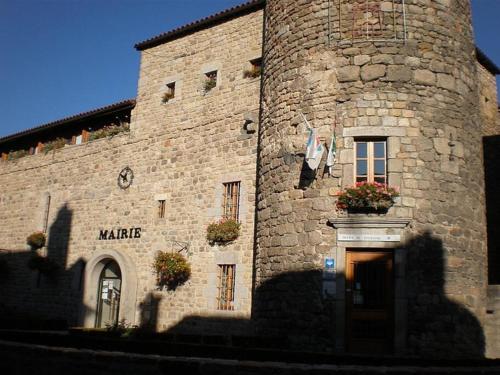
<point>120,106</point>
<point>200,24</point>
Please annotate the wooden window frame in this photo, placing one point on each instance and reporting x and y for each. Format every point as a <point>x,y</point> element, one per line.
<point>226,286</point>
<point>161,208</point>
<point>370,159</point>
<point>231,200</point>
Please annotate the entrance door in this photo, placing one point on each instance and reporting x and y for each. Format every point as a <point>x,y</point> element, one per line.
<point>369,301</point>
<point>109,289</point>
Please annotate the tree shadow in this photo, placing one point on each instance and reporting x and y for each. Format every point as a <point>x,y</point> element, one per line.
<point>438,326</point>
<point>290,311</point>
<point>38,300</point>
<point>149,308</point>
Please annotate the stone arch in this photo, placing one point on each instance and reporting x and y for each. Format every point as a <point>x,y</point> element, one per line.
<point>129,286</point>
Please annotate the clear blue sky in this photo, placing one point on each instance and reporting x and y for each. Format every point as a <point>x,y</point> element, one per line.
<point>62,57</point>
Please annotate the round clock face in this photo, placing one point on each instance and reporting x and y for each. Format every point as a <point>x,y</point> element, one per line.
<point>125,178</point>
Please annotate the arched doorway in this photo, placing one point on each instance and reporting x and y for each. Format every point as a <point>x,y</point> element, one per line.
<point>108,295</point>
<point>101,265</point>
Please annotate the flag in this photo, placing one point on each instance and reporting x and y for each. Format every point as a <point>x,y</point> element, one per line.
<point>332,153</point>
<point>314,150</point>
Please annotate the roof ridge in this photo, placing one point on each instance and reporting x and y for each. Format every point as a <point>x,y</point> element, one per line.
<point>234,11</point>
<point>79,116</point>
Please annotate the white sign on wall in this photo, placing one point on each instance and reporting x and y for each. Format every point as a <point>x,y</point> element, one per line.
<point>358,237</point>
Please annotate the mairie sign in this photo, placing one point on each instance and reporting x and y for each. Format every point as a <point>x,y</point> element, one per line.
<point>119,234</point>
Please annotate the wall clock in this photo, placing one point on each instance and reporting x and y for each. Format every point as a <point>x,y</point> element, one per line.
<point>125,178</point>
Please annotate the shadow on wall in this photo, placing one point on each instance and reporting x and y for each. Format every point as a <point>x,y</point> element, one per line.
<point>491,149</point>
<point>291,313</point>
<point>35,299</point>
<point>289,310</point>
<point>149,309</point>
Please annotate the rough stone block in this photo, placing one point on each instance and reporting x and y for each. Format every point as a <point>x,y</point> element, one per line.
<point>348,73</point>
<point>398,73</point>
<point>361,59</point>
<point>446,81</point>
<point>372,72</point>
<point>424,77</point>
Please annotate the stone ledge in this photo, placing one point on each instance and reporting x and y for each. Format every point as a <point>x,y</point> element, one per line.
<point>368,222</point>
<point>374,131</point>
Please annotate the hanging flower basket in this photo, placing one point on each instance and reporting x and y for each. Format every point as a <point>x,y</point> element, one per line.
<point>36,240</point>
<point>223,231</point>
<point>44,265</point>
<point>172,269</point>
<point>367,197</point>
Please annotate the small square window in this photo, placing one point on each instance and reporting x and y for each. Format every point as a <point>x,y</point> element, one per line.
<point>210,80</point>
<point>169,93</point>
<point>161,208</point>
<point>225,289</point>
<point>255,69</point>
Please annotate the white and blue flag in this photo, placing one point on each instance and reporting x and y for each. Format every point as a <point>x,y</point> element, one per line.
<point>314,150</point>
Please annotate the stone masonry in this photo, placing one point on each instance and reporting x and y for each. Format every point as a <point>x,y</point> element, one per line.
<point>422,91</point>
<point>181,151</point>
<point>423,96</point>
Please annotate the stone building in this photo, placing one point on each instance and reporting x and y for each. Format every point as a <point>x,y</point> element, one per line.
<point>218,130</point>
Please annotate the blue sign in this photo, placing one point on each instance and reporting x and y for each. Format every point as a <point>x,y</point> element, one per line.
<point>329,263</point>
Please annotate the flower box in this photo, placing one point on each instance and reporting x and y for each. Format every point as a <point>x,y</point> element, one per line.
<point>366,197</point>
<point>172,269</point>
<point>36,240</point>
<point>223,231</point>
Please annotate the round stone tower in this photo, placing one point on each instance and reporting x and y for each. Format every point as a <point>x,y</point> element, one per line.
<point>402,73</point>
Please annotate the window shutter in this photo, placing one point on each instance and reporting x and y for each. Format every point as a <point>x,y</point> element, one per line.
<point>85,136</point>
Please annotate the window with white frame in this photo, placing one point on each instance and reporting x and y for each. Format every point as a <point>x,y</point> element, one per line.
<point>370,163</point>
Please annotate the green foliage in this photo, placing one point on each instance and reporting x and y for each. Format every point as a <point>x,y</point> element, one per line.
<point>367,196</point>
<point>108,131</point>
<point>121,328</point>
<point>36,240</point>
<point>166,97</point>
<point>13,155</point>
<point>209,84</point>
<point>54,145</point>
<point>172,269</point>
<point>225,230</point>
<point>45,265</point>
<point>254,72</point>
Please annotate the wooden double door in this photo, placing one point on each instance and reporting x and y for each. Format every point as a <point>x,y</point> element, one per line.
<point>369,301</point>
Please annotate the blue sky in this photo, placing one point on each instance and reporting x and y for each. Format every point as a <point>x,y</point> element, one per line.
<point>62,57</point>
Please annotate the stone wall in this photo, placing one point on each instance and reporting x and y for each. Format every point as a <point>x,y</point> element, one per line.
<point>422,96</point>
<point>181,151</point>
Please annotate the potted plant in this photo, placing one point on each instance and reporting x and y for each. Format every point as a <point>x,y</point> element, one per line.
<point>367,197</point>
<point>223,231</point>
<point>209,83</point>
<point>172,269</point>
<point>54,145</point>
<point>36,240</point>
<point>167,96</point>
<point>253,72</point>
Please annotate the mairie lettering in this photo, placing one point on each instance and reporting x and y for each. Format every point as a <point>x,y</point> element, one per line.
<point>119,234</point>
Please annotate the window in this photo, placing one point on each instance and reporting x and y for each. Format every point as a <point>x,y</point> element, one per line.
<point>225,298</point>
<point>161,209</point>
<point>210,80</point>
<point>255,69</point>
<point>46,213</point>
<point>231,201</point>
<point>169,93</point>
<point>370,162</point>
